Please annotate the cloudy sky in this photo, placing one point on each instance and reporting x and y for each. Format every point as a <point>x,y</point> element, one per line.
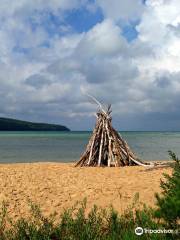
<point>126,53</point>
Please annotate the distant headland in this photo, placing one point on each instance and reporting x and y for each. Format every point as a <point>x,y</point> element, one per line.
<point>8,124</point>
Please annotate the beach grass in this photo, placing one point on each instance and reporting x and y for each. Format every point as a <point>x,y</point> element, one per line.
<point>74,223</point>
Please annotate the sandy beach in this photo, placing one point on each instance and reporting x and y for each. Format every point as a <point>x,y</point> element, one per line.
<point>55,186</point>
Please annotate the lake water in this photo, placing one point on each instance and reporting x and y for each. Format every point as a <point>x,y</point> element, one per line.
<point>68,146</point>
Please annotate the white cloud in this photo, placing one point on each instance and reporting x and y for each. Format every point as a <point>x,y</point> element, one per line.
<point>121,10</point>
<point>103,39</point>
<point>9,8</point>
<point>140,78</point>
<point>157,29</point>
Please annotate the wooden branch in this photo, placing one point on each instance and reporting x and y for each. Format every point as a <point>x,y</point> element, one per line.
<point>106,146</point>
<point>101,144</point>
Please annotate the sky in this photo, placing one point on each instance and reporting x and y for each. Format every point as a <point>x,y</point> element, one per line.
<point>127,53</point>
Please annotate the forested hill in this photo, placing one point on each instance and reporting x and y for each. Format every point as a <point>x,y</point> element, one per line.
<point>8,124</point>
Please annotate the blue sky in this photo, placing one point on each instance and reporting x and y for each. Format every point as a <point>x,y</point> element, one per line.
<point>122,52</point>
<point>81,20</point>
<point>76,20</point>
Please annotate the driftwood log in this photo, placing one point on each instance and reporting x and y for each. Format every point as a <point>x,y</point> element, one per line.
<point>106,147</point>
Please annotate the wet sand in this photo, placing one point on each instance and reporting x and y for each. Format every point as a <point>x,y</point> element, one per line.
<point>56,186</point>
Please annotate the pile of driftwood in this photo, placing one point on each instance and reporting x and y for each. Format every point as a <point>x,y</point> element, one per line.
<point>106,147</point>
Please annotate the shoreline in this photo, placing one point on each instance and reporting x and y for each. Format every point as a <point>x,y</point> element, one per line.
<point>73,162</point>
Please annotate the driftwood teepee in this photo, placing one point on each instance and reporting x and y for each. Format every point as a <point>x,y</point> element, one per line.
<point>106,147</point>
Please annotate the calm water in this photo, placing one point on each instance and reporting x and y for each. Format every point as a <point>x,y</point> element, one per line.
<point>67,147</point>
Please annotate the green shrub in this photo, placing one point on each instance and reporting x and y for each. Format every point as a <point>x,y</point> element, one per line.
<point>74,224</point>
<point>169,202</point>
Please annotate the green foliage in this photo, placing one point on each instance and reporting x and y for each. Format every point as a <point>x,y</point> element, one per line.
<point>75,224</point>
<point>169,202</point>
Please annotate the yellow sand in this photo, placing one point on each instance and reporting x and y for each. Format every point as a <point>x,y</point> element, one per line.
<point>56,186</point>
